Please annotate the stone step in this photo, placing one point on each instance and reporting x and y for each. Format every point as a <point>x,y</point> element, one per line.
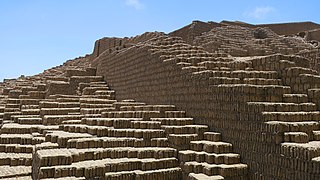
<point>87,105</point>
<point>97,96</point>
<point>210,158</point>
<point>201,176</point>
<point>12,101</point>
<point>146,115</point>
<point>15,159</point>
<point>98,168</point>
<point>304,151</point>
<point>295,98</point>
<point>291,116</point>
<point>236,80</point>
<point>96,110</point>
<point>75,80</point>
<point>82,128</point>
<point>6,121</point>
<point>29,120</point>
<point>92,90</point>
<point>96,101</point>
<point>262,81</point>
<point>256,107</point>
<point>174,121</point>
<point>159,142</point>
<point>64,156</point>
<point>14,172</point>
<point>14,128</point>
<point>246,74</point>
<point>69,105</point>
<point>212,65</point>
<point>30,111</point>
<point>110,94</point>
<point>167,173</point>
<point>62,137</point>
<point>23,139</point>
<point>12,106</point>
<point>20,178</point>
<point>137,133</point>
<point>46,145</point>
<point>233,170</point>
<point>66,178</point>
<point>16,117</point>
<point>316,160</point>
<point>94,84</point>
<point>66,99</point>
<point>58,119</point>
<point>37,94</point>
<point>104,142</point>
<point>304,126</point>
<point>120,104</point>
<point>187,129</point>
<point>49,104</point>
<point>110,122</point>
<point>256,91</point>
<point>212,136</point>
<point>145,125</point>
<point>175,114</point>
<point>181,141</point>
<point>58,111</point>
<point>16,148</point>
<point>29,102</point>
<point>56,96</point>
<point>296,71</point>
<point>223,80</point>
<point>30,107</point>
<point>161,108</point>
<point>211,147</point>
<point>91,116</point>
<point>316,135</point>
<point>296,137</point>
<point>7,110</point>
<point>98,84</point>
<point>71,122</point>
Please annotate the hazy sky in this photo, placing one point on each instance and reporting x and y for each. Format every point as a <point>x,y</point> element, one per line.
<point>39,34</point>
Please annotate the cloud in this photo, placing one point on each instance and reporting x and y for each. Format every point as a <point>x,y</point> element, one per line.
<point>135,3</point>
<point>260,12</point>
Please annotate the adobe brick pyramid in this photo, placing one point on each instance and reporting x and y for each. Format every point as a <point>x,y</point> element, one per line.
<point>209,101</point>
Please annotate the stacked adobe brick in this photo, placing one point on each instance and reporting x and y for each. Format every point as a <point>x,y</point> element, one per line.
<point>242,41</point>
<point>246,99</point>
<point>66,123</point>
<point>314,57</point>
<point>196,28</point>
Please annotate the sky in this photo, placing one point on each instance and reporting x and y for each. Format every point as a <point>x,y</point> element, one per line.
<point>38,34</point>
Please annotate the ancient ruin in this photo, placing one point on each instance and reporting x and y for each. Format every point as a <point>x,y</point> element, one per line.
<point>226,100</point>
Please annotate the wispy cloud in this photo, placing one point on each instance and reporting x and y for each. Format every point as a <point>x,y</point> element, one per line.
<point>135,3</point>
<point>260,12</point>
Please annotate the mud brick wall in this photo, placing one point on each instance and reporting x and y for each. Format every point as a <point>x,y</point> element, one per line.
<point>314,57</point>
<point>189,32</point>
<point>141,74</point>
<point>314,35</point>
<point>291,28</point>
<point>107,43</point>
<point>115,43</point>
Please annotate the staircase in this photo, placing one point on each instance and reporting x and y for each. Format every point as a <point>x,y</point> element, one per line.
<point>88,134</point>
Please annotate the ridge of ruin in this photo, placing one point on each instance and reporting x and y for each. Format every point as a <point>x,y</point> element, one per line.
<point>226,100</point>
